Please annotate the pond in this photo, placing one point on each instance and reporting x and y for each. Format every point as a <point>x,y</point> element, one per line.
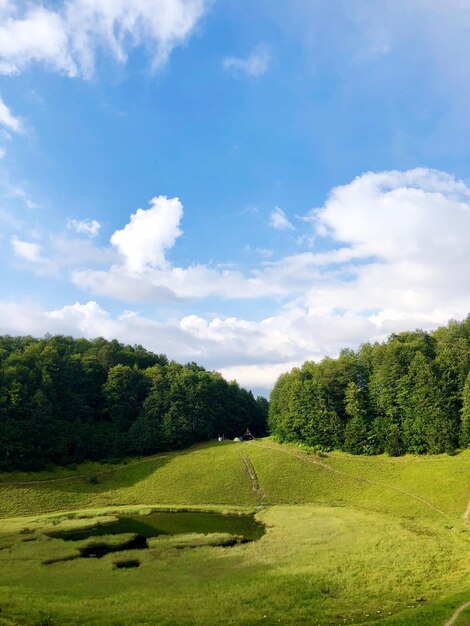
<point>231,529</point>
<point>171,523</point>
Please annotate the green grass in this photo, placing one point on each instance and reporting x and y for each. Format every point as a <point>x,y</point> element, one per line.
<point>203,475</point>
<point>371,483</point>
<point>350,540</point>
<point>215,474</point>
<point>464,619</point>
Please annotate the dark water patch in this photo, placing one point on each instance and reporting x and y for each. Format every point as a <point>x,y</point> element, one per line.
<point>130,563</point>
<point>171,523</point>
<point>237,528</point>
<point>97,550</point>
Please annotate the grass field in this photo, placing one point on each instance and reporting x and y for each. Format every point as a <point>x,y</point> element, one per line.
<point>350,540</point>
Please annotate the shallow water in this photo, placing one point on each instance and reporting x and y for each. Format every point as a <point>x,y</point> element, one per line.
<point>171,523</point>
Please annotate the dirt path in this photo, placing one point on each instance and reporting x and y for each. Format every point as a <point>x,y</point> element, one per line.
<point>327,467</point>
<point>466,515</point>
<point>45,481</point>
<point>253,477</point>
<point>456,614</point>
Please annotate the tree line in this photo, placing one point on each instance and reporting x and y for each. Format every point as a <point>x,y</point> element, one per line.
<point>64,400</point>
<point>408,394</point>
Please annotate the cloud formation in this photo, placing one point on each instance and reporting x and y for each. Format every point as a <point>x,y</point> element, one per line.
<point>392,254</point>
<point>8,120</point>
<point>406,236</point>
<point>145,239</point>
<point>279,221</point>
<point>85,227</point>
<point>254,353</point>
<point>57,253</point>
<point>27,250</point>
<point>67,38</point>
<point>255,64</point>
<point>392,241</point>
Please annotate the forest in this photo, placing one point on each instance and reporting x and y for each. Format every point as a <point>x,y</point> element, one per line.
<point>408,394</point>
<point>64,400</point>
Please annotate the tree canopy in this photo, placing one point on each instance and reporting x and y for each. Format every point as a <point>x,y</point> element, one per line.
<point>64,400</point>
<point>408,394</point>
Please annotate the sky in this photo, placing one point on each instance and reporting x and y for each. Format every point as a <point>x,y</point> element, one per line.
<point>247,185</point>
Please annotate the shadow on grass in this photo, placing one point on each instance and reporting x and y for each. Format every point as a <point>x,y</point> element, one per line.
<point>117,477</point>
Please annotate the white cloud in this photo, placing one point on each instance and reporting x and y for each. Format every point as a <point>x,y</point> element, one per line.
<point>279,221</point>
<point>22,318</point>
<point>265,253</point>
<point>87,319</point>
<point>407,228</point>
<point>67,38</point>
<point>407,242</point>
<point>257,376</point>
<point>400,260</point>
<point>58,253</point>
<point>254,353</point>
<point>86,227</point>
<point>149,234</point>
<point>256,64</point>
<point>17,191</point>
<point>396,214</point>
<point>38,35</point>
<point>197,281</point>
<point>73,252</point>
<point>2,152</point>
<point>27,250</point>
<point>8,120</point>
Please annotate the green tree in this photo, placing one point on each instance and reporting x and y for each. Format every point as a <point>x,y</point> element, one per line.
<point>426,427</point>
<point>465,415</point>
<point>123,392</point>
<point>356,435</point>
<point>394,441</point>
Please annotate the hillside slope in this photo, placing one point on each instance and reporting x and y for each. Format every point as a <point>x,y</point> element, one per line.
<point>350,540</point>
<point>430,487</point>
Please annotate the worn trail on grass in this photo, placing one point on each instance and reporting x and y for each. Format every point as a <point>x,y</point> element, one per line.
<point>253,477</point>
<point>45,481</point>
<point>466,515</point>
<point>327,467</point>
<point>456,614</point>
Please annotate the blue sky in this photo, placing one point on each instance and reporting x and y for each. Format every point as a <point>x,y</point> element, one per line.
<point>247,185</point>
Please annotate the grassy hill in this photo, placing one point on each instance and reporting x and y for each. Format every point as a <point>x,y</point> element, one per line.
<point>350,540</point>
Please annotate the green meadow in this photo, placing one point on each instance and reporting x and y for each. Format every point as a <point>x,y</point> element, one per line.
<point>349,540</point>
